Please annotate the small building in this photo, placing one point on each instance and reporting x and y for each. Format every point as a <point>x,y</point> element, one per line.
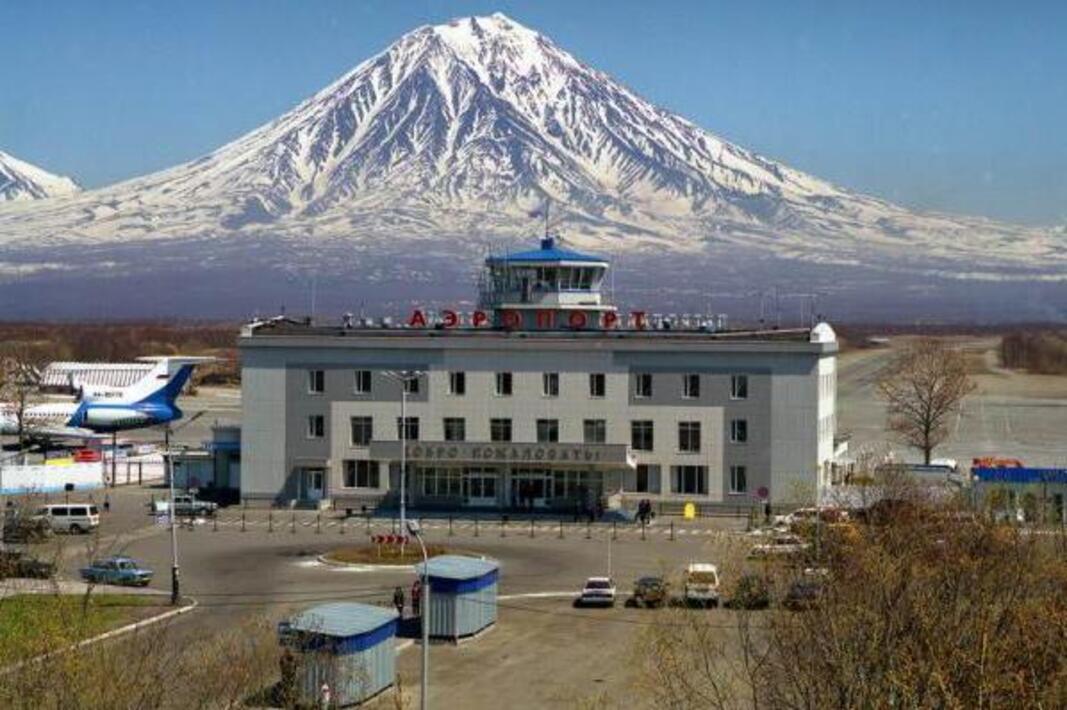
<point>347,646</point>
<point>217,465</point>
<point>462,595</point>
<point>1023,494</point>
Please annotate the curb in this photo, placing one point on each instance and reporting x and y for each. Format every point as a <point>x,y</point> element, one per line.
<point>122,630</point>
<point>361,567</point>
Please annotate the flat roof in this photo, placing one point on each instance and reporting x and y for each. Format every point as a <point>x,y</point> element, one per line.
<point>458,567</point>
<point>342,619</point>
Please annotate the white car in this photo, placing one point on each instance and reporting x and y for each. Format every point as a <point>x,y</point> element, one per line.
<point>701,584</point>
<point>598,591</point>
<point>780,546</point>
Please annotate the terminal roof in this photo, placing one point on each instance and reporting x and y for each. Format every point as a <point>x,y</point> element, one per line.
<point>342,619</point>
<point>548,252</point>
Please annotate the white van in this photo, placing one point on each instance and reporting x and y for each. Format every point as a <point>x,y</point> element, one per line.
<point>74,518</point>
<point>701,584</point>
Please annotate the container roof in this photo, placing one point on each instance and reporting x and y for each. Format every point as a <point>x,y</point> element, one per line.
<point>342,619</point>
<point>548,252</point>
<point>458,567</point>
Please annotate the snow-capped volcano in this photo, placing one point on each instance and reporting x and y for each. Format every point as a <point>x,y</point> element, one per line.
<point>21,181</point>
<point>456,132</point>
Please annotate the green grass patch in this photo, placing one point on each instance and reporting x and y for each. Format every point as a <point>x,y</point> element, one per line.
<point>34,624</point>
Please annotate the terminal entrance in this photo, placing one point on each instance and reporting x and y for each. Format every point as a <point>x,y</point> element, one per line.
<point>480,487</point>
<point>530,488</point>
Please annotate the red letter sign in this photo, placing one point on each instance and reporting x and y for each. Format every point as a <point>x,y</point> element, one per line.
<point>577,319</point>
<point>638,319</point>
<point>544,319</point>
<point>610,320</point>
<point>479,319</point>
<point>451,319</point>
<point>511,319</point>
<point>417,320</point>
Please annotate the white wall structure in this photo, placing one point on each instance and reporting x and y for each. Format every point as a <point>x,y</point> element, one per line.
<point>20,480</point>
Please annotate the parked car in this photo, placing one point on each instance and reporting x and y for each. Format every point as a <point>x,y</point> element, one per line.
<point>701,584</point>
<point>780,546</point>
<point>75,518</point>
<point>19,527</point>
<point>598,591</point>
<point>14,563</point>
<point>117,570</point>
<point>752,591</point>
<point>650,592</point>
<point>186,505</point>
<point>804,593</point>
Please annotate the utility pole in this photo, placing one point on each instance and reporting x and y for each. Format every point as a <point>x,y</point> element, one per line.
<point>403,462</point>
<point>413,527</point>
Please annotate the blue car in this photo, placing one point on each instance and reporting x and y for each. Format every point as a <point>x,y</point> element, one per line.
<point>117,570</point>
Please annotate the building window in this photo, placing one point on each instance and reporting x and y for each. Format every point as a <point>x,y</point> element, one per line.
<point>316,426</point>
<point>441,482</point>
<point>547,431</point>
<point>641,435</point>
<point>316,381</point>
<point>739,387</point>
<point>690,479</point>
<point>361,384</point>
<point>362,431</point>
<point>642,482</point>
<point>455,429</point>
<point>738,479</point>
<point>503,384</point>
<point>738,431</point>
<point>411,384</point>
<point>689,437</point>
<point>408,430</point>
<point>596,431</point>
<point>597,384</point>
<point>361,474</point>
<point>550,384</point>
<point>457,383</point>
<point>643,385</point>
<point>691,386</point>
<point>499,430</point>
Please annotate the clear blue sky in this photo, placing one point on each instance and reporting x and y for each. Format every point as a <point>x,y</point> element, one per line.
<point>950,105</point>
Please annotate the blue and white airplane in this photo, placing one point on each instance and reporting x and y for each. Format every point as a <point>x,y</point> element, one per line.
<point>106,410</point>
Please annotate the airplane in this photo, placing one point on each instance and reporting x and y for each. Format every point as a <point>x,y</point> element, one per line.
<point>105,410</point>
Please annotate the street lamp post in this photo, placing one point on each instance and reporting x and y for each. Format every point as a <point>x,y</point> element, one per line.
<point>175,584</point>
<point>404,377</point>
<point>413,527</point>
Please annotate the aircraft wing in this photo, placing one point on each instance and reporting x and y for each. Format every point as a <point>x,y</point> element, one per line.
<point>62,432</point>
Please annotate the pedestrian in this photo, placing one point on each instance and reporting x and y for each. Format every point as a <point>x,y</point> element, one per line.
<point>398,601</point>
<point>416,597</point>
<point>287,687</point>
<point>107,503</point>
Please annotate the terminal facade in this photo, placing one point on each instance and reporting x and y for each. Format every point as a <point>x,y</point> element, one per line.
<point>546,397</point>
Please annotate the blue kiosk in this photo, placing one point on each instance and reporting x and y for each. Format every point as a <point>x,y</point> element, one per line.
<point>463,594</point>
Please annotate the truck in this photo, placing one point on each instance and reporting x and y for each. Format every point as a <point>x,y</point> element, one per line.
<point>186,505</point>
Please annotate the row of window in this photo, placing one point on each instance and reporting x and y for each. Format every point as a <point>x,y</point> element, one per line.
<point>446,482</point>
<point>594,431</point>
<point>457,384</point>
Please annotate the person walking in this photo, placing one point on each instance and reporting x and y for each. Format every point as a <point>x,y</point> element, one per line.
<point>107,503</point>
<point>416,597</point>
<point>398,601</point>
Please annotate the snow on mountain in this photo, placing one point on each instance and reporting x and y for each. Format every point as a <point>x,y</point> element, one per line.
<point>23,182</point>
<point>461,130</point>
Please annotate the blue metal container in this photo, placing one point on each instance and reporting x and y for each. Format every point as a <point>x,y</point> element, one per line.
<point>347,646</point>
<point>463,594</point>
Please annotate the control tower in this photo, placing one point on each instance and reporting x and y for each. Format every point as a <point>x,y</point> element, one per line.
<point>544,289</point>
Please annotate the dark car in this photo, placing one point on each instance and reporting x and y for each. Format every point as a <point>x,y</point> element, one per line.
<point>804,594</point>
<point>16,564</point>
<point>752,591</point>
<point>650,592</point>
<point>117,570</point>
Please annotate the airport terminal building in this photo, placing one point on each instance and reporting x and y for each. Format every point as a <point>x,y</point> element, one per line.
<point>544,397</point>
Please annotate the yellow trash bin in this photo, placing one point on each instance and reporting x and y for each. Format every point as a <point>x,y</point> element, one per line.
<point>689,512</point>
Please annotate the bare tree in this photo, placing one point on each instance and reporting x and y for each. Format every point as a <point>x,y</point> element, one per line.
<point>21,366</point>
<point>923,386</point>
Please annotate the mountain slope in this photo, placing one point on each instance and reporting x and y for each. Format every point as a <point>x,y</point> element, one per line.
<point>456,132</point>
<point>21,181</point>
